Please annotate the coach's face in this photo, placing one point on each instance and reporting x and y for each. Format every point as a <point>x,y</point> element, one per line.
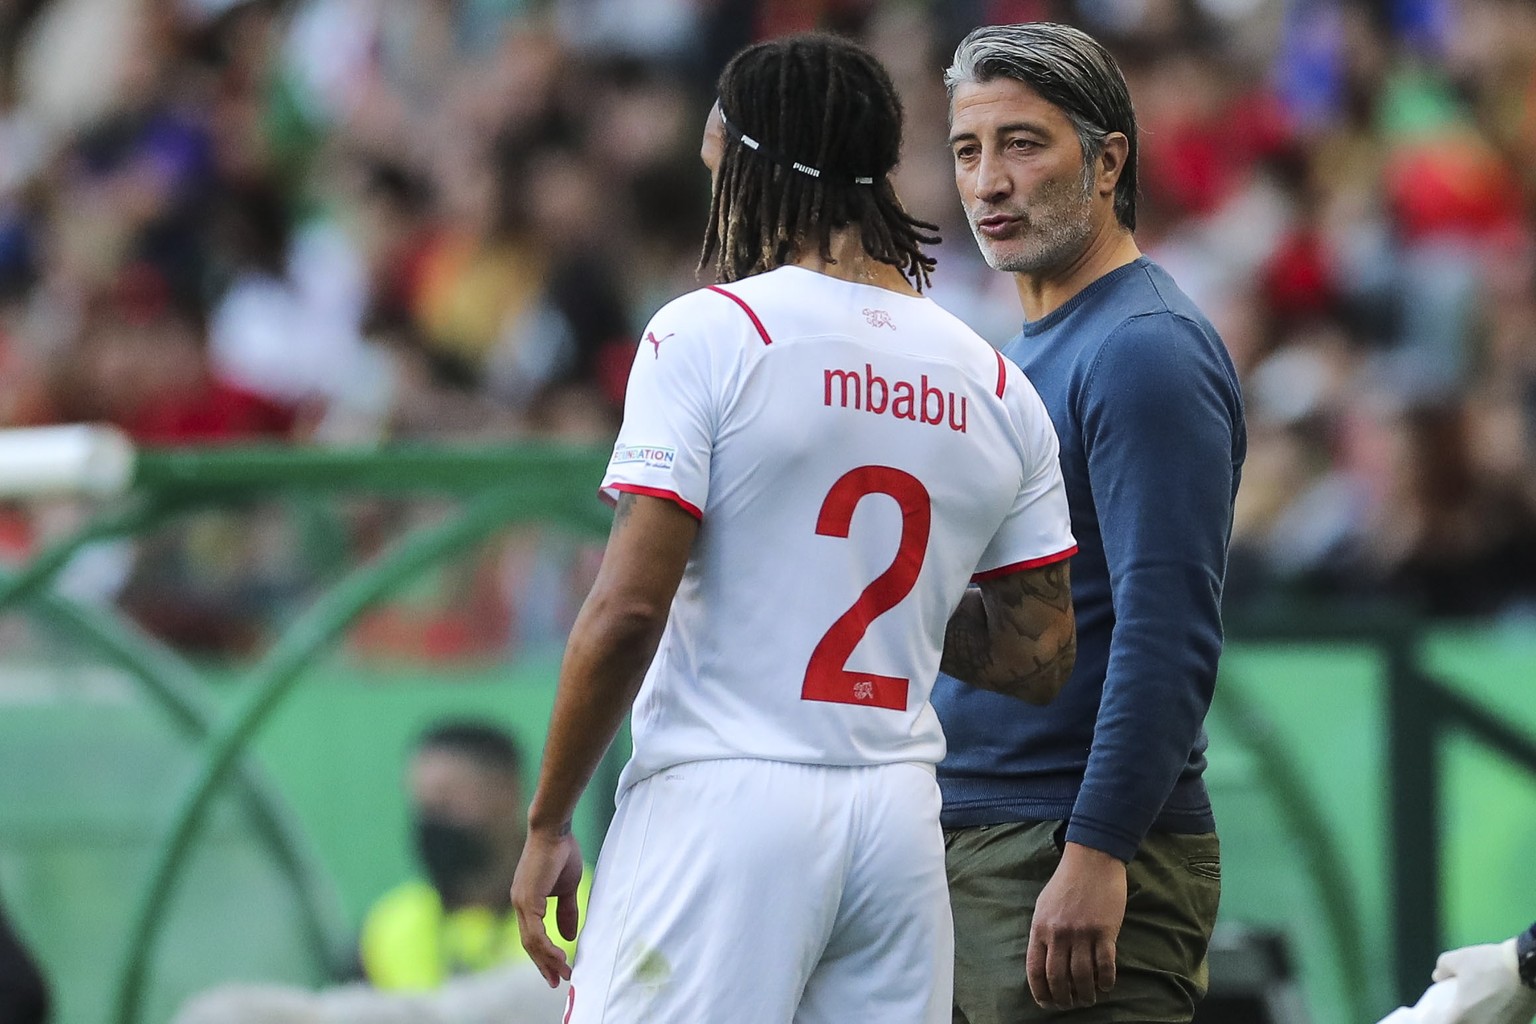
<point>1031,204</point>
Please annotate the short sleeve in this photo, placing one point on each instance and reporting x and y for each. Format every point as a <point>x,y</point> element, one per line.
<point>1038,529</point>
<point>664,446</point>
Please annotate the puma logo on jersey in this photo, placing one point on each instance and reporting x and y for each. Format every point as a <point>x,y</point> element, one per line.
<point>650,336</point>
<point>879,318</point>
<point>870,392</point>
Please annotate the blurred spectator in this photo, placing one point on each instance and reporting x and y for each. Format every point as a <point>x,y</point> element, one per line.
<point>1449,539</point>
<point>468,816</point>
<point>139,361</point>
<point>325,221</point>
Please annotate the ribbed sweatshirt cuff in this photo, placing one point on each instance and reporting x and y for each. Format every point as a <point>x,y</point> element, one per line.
<point>1105,823</point>
<point>1115,843</point>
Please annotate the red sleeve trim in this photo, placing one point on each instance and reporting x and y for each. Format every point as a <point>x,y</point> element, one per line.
<point>656,492</point>
<point>1033,563</point>
<point>761,330</point>
<point>1002,373</point>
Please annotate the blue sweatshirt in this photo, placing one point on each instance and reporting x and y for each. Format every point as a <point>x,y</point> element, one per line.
<point>1146,403</point>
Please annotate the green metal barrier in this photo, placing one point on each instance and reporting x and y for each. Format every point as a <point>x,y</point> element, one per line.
<point>505,486</point>
<point>175,688</point>
<point>500,487</point>
<point>1301,816</point>
<point>1418,708</point>
<point>267,684</point>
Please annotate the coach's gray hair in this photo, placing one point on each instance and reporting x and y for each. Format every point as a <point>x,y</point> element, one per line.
<point>1069,69</point>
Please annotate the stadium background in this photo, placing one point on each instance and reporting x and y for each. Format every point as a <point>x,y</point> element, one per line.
<point>352,225</point>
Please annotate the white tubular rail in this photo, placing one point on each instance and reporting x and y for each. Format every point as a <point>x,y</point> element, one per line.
<point>70,461</point>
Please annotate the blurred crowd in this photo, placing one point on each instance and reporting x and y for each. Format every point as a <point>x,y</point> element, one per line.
<point>357,221</point>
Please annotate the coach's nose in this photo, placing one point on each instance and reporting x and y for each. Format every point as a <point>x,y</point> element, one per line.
<point>990,181</point>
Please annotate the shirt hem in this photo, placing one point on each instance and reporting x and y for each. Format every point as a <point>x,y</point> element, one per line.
<point>651,492</point>
<point>1029,563</point>
<point>973,802</point>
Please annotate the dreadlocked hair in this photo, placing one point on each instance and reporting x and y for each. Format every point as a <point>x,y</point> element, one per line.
<point>828,104</point>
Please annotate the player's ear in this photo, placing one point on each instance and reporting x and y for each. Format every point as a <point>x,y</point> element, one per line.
<point>712,147</point>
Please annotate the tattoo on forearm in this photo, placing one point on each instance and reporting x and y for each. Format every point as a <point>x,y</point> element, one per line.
<point>622,511</point>
<point>1018,638</point>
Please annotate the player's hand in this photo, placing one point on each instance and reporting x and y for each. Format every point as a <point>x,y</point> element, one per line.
<point>1077,921</point>
<point>1487,985</point>
<point>550,866</point>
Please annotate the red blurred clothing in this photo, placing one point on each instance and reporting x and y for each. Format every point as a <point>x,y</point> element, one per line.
<point>219,412</point>
<point>1457,186</point>
<point>1298,280</point>
<point>1196,163</point>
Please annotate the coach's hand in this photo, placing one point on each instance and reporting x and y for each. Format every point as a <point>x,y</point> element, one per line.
<point>1076,924</point>
<point>550,866</point>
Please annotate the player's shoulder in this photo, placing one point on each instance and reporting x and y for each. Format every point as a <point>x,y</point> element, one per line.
<point>773,302</point>
<point>701,304</point>
<point>1025,408</point>
<point>980,357</point>
<point>711,315</point>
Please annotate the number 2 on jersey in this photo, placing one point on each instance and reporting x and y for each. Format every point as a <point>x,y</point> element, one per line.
<point>827,677</point>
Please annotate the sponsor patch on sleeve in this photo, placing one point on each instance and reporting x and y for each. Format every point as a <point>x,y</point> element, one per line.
<point>650,456</point>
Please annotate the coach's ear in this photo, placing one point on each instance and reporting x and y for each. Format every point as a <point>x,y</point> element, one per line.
<point>1113,155</point>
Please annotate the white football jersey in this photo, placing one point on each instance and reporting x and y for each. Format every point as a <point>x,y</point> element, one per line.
<point>855,457</point>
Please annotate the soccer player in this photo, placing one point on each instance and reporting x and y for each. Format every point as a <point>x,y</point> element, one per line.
<point>815,462</point>
<point>1083,861</point>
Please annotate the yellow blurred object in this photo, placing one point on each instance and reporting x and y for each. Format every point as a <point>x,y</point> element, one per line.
<point>410,944</point>
<point>471,289</point>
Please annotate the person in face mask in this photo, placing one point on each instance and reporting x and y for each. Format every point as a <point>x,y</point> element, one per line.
<point>468,821</point>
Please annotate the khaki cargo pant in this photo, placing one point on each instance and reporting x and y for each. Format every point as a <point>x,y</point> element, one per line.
<point>996,873</point>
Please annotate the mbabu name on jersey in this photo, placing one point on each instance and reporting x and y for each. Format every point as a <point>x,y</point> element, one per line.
<point>920,402</point>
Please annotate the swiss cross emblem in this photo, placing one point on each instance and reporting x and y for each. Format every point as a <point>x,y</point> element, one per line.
<point>864,689</point>
<point>879,318</point>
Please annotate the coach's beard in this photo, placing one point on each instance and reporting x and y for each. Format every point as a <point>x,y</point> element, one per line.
<point>1053,235</point>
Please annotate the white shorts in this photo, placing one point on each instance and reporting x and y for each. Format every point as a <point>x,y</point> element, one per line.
<point>764,892</point>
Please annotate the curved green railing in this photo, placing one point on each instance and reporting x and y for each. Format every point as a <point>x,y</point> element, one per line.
<point>267,684</point>
<point>1303,818</point>
<point>496,487</point>
<point>137,515</point>
<point>174,687</point>
<point>526,484</point>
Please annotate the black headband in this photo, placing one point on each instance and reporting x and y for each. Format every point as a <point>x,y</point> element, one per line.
<point>783,161</point>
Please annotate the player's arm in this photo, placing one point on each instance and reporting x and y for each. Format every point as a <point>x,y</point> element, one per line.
<point>610,647</point>
<point>1015,634</point>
